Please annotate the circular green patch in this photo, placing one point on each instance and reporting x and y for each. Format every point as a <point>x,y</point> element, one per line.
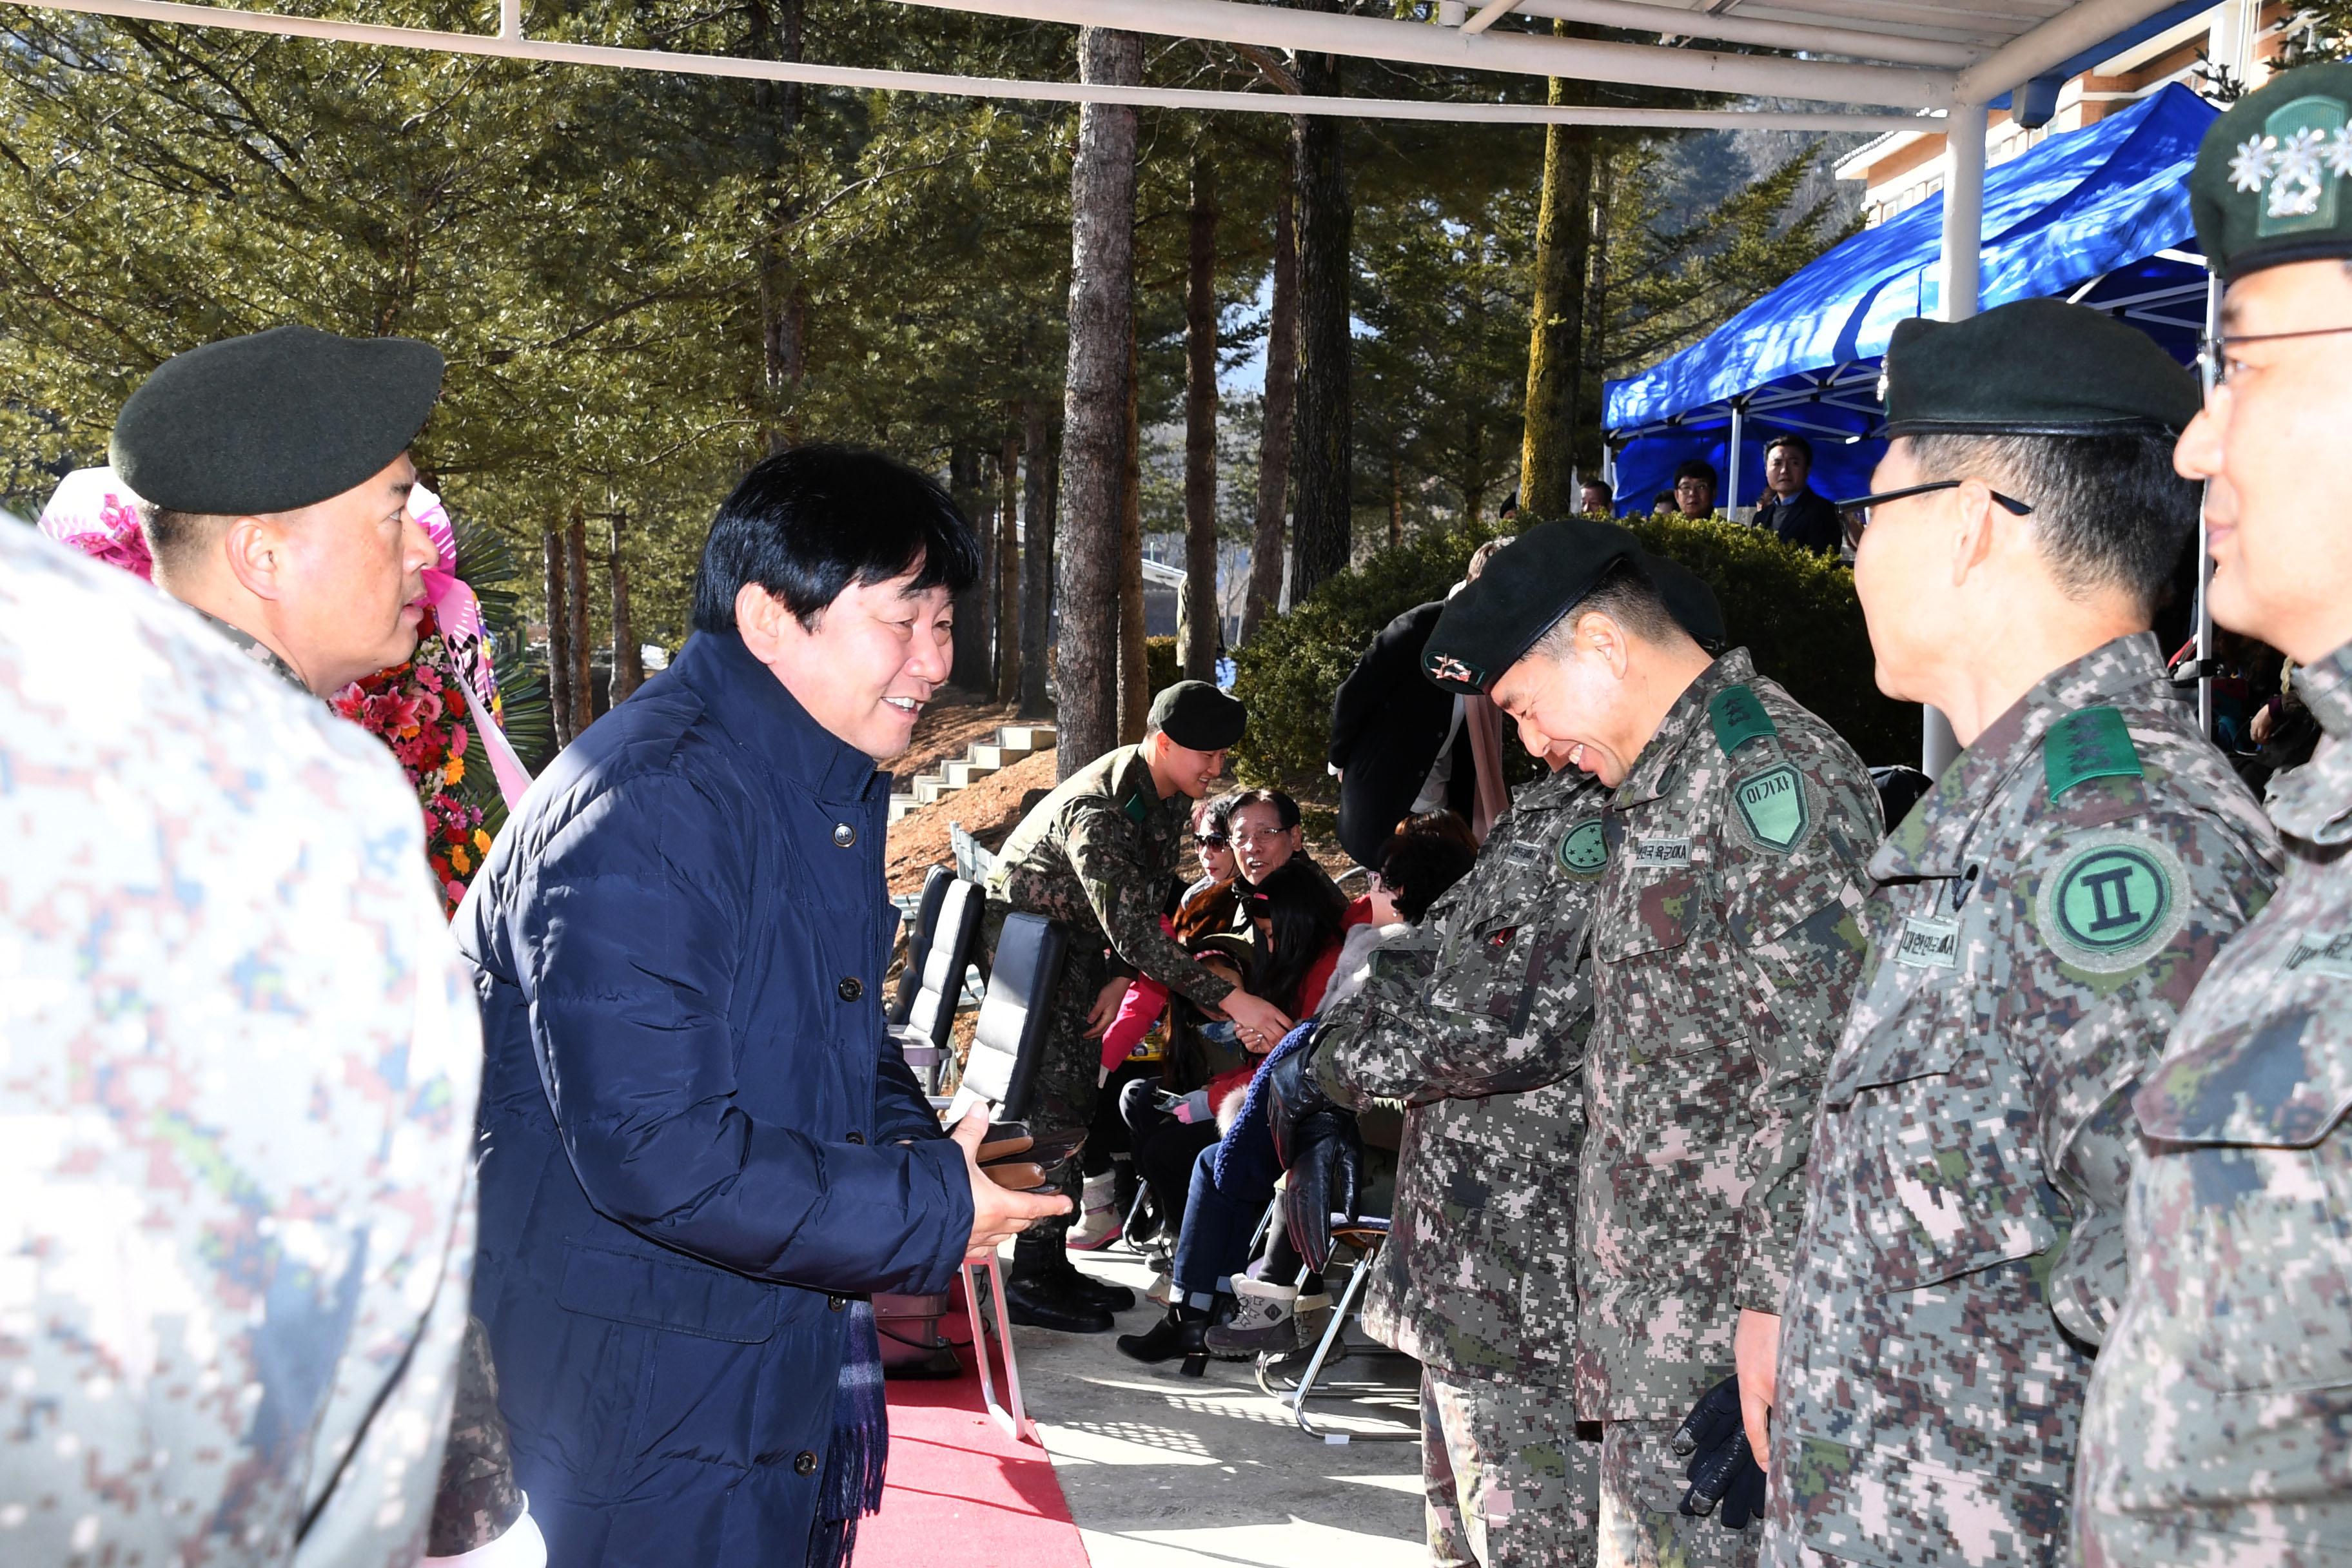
<point>1584,849</point>
<point>2113,901</point>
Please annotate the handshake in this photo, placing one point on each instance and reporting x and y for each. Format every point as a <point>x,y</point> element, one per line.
<point>1722,1470</point>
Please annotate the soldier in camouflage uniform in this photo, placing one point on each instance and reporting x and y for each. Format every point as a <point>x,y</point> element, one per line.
<point>1099,855</point>
<point>240,1075</point>
<point>2039,921</point>
<point>2219,1426</point>
<point>1724,950</point>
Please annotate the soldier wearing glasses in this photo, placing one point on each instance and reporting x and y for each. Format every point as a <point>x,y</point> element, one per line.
<point>2220,1423</point>
<point>2036,925</point>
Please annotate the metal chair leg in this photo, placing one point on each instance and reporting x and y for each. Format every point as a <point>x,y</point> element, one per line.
<point>1331,1332</point>
<point>1015,1422</point>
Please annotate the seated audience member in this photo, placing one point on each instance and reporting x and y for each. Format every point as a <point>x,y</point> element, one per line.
<point>1593,499</point>
<point>242,1062</point>
<point>1663,505</point>
<point>1170,1121</point>
<point>1232,1182</point>
<point>1792,511</point>
<point>1695,488</point>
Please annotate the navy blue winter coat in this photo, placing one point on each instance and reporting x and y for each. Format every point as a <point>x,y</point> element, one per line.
<point>692,1118</point>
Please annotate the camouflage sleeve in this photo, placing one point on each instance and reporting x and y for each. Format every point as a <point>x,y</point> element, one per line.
<point>1126,896</point>
<point>477,1500</point>
<point>2121,924</point>
<point>1793,914</point>
<point>1502,1009</point>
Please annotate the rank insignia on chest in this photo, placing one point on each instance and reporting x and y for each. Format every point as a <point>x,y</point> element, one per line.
<point>2113,903</point>
<point>2315,953</point>
<point>1584,849</point>
<point>1773,807</point>
<point>1928,944</point>
<point>1650,854</point>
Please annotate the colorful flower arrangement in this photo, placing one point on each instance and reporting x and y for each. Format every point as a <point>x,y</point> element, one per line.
<point>420,710</point>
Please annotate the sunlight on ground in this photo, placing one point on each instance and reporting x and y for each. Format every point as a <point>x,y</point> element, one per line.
<point>1285,1545</point>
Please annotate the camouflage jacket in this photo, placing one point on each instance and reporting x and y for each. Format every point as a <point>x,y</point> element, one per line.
<point>2039,920</point>
<point>1479,1273</point>
<point>2217,1429</point>
<point>239,1086</point>
<point>1099,855</point>
<point>1724,952</point>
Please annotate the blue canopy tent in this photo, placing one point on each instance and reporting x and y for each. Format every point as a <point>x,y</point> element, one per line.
<point>2099,216</point>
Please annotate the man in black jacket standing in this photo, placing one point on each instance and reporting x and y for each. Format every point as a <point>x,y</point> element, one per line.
<point>1398,742</point>
<point>1792,511</point>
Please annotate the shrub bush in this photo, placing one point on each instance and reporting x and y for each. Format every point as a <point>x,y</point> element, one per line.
<point>1793,609</point>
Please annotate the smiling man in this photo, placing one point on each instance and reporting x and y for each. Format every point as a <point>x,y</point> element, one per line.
<point>703,1149</point>
<point>1724,953</point>
<point>2217,1429</point>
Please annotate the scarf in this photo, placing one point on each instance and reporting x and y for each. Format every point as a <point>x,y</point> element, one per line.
<point>860,1449</point>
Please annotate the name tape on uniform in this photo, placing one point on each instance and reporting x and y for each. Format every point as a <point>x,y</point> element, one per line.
<point>1928,944</point>
<point>1651,853</point>
<point>2316,954</point>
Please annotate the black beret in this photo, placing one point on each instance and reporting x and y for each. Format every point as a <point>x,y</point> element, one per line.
<point>1197,716</point>
<point>2032,367</point>
<point>2270,186</point>
<point>272,422</point>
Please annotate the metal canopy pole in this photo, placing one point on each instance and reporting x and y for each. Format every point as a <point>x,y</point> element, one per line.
<point>1964,168</point>
<point>1731,479</point>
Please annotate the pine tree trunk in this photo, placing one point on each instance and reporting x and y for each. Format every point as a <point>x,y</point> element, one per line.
<point>970,667</point>
<point>1200,650</point>
<point>628,659</point>
<point>775,33</point>
<point>1556,342</point>
<point>1094,417</point>
<point>1322,507</point>
<point>1275,429</point>
<point>1008,568</point>
<point>583,666</point>
<point>1134,657</point>
<point>1036,562</point>
<point>559,637</point>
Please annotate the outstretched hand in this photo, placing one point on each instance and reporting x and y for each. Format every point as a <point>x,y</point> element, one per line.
<point>1258,1024</point>
<point>997,1212</point>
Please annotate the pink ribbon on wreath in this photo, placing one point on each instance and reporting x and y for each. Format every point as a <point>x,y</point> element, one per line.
<point>459,616</point>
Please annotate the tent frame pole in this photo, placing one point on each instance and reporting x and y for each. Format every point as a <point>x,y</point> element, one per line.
<point>2204,555</point>
<point>1731,478</point>
<point>1964,172</point>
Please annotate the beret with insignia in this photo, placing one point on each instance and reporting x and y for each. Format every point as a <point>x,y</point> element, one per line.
<point>2033,367</point>
<point>2274,178</point>
<point>1536,579</point>
<point>1197,716</point>
<point>273,421</point>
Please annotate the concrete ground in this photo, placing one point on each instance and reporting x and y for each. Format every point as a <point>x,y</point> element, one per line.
<point>1161,1469</point>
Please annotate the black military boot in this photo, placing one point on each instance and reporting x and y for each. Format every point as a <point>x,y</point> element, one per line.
<point>1182,1332</point>
<point>1043,1291</point>
<point>1108,1294</point>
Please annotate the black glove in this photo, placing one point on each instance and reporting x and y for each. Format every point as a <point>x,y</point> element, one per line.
<point>1292,1096</point>
<point>1326,1167</point>
<point>1722,1470</point>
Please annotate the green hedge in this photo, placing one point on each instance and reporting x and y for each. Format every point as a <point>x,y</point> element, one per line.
<point>1793,609</point>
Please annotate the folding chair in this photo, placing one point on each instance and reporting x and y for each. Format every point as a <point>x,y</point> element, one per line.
<point>1365,1237</point>
<point>998,1076</point>
<point>922,1036</point>
<point>919,928</point>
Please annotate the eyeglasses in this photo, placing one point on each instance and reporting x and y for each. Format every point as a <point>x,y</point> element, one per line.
<point>1210,841</point>
<point>2213,353</point>
<point>1862,508</point>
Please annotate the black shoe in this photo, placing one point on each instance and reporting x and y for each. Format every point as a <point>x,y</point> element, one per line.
<point>1182,1332</point>
<point>1110,1294</point>
<point>1050,1301</point>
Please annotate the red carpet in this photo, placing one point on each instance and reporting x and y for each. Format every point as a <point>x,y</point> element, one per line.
<point>959,1490</point>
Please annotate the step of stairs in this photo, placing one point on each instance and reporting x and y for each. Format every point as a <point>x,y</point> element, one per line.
<point>1012,744</point>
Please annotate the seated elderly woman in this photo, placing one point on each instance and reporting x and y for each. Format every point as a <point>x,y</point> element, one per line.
<point>1232,1182</point>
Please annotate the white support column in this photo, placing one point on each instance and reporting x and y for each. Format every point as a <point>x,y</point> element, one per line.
<point>1731,468</point>
<point>1964,168</point>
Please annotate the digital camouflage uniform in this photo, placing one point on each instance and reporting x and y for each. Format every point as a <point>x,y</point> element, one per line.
<point>1725,950</point>
<point>2040,920</point>
<point>2219,1429</point>
<point>1483,1038</point>
<point>238,1092</point>
<point>1099,856</point>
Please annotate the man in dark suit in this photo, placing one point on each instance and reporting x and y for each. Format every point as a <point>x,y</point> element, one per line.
<point>1791,510</point>
<point>1398,742</point>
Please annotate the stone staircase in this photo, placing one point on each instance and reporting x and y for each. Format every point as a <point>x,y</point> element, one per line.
<point>1013,743</point>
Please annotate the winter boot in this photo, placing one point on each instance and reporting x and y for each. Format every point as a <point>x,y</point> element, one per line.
<point>1045,1291</point>
<point>1182,1332</point>
<point>1265,1318</point>
<point>1098,1214</point>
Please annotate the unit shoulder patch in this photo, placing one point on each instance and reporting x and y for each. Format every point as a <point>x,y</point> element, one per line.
<point>2095,744</point>
<point>2114,901</point>
<point>1134,808</point>
<point>1774,806</point>
<point>1738,717</point>
<point>1584,849</point>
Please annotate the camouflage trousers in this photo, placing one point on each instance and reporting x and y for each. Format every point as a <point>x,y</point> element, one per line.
<point>1068,1080</point>
<point>1510,1483</point>
<point>1642,1483</point>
